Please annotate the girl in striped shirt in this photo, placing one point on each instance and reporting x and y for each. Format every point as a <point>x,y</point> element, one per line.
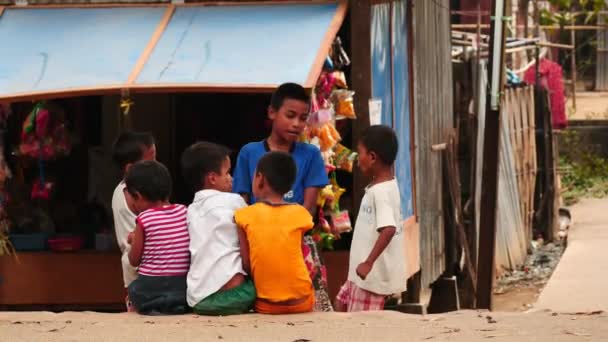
<point>160,242</point>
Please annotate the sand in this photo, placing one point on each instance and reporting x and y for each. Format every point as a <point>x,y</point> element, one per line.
<point>373,326</point>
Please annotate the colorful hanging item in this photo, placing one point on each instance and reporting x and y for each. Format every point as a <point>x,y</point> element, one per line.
<point>551,79</point>
<point>43,135</point>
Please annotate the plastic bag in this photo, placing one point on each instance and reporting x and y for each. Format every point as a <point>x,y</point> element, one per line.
<point>341,221</point>
<point>343,103</point>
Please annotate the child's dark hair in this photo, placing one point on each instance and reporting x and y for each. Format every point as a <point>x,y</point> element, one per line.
<point>279,169</point>
<point>381,140</point>
<point>288,91</point>
<point>129,147</point>
<point>201,158</point>
<point>150,179</point>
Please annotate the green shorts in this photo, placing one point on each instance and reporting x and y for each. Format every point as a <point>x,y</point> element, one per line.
<point>235,301</point>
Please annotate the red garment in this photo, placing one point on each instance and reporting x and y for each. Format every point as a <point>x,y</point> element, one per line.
<point>551,79</point>
<point>358,299</point>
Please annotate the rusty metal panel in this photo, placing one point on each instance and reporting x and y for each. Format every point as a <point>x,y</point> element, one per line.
<point>434,119</point>
<point>511,236</point>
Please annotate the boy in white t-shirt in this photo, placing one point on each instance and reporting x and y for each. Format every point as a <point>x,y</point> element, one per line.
<point>216,283</point>
<point>129,148</point>
<point>377,256</point>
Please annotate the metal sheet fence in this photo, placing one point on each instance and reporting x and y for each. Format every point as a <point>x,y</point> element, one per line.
<point>434,120</point>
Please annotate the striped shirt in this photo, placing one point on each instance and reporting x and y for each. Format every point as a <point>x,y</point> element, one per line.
<point>166,241</point>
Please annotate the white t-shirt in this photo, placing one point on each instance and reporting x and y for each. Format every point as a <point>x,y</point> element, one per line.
<point>124,223</point>
<point>215,255</point>
<point>380,207</point>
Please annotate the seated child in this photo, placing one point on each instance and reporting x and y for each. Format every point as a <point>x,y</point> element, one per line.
<point>129,148</point>
<point>377,255</point>
<point>217,283</point>
<point>159,244</point>
<point>271,239</point>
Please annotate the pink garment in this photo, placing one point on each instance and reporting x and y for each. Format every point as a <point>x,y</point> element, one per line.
<point>166,241</point>
<point>551,79</point>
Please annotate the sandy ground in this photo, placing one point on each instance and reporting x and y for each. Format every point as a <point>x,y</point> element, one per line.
<point>589,106</point>
<point>373,326</point>
<point>570,309</point>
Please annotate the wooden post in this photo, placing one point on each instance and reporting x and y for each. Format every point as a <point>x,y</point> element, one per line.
<point>361,74</point>
<point>573,66</point>
<point>489,176</point>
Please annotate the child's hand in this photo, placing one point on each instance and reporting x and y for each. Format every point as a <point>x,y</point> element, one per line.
<point>363,269</point>
<point>130,238</point>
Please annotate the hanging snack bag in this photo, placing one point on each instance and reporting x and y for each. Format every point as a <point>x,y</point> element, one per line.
<point>343,103</point>
<point>341,221</point>
<point>344,158</point>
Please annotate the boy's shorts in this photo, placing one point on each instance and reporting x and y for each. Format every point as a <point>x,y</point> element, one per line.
<point>235,301</point>
<point>159,295</point>
<point>358,299</point>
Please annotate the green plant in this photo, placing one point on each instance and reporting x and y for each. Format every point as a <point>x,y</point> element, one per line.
<point>561,11</point>
<point>583,172</point>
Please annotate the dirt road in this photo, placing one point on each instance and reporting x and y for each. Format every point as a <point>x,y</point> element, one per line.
<point>375,326</point>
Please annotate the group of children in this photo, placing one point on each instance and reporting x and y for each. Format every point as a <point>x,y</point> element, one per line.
<point>242,245</point>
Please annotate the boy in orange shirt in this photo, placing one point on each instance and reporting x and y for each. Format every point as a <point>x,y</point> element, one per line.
<point>271,234</point>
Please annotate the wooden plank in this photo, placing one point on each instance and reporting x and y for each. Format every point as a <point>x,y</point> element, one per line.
<point>141,62</point>
<point>489,182</point>
<point>2,10</point>
<point>555,45</point>
<point>189,4</point>
<point>544,27</point>
<point>410,59</point>
<point>138,88</point>
<point>40,278</point>
<point>361,75</point>
<point>61,93</point>
<point>87,5</point>
<point>325,47</point>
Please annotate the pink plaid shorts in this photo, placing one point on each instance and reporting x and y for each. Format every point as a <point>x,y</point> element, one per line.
<point>358,299</point>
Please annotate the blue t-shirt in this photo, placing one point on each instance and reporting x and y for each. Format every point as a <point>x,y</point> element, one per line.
<point>310,165</point>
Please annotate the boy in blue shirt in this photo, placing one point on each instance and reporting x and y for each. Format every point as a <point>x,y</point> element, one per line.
<point>289,110</point>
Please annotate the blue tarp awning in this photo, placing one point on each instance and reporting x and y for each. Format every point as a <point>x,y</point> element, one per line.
<point>57,52</point>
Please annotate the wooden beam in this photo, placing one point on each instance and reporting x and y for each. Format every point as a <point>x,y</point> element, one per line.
<point>1,10</point>
<point>189,4</point>
<point>361,79</point>
<point>544,27</point>
<point>489,175</point>
<point>330,36</point>
<point>555,45</point>
<point>141,62</point>
<point>410,59</point>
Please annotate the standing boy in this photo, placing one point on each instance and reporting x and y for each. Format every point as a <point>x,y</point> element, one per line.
<point>289,110</point>
<point>271,239</point>
<point>129,148</point>
<point>217,283</point>
<point>377,256</point>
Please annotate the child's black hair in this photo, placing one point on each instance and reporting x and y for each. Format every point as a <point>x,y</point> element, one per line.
<point>279,169</point>
<point>150,179</point>
<point>201,158</point>
<point>288,91</point>
<point>381,140</point>
<point>129,147</point>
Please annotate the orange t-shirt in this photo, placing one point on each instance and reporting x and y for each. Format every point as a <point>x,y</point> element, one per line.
<point>274,233</point>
